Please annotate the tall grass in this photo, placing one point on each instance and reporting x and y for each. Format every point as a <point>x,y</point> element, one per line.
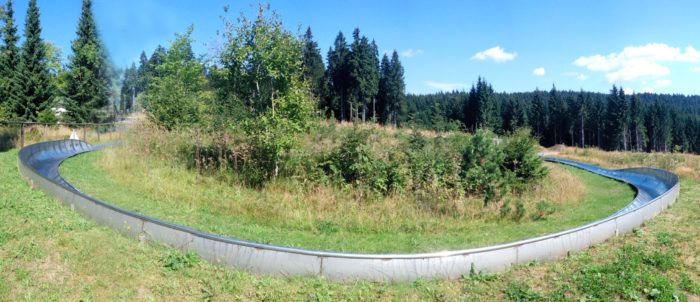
<point>298,210</point>
<point>683,164</point>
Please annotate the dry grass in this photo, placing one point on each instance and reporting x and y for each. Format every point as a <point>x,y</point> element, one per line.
<point>683,164</point>
<point>10,134</point>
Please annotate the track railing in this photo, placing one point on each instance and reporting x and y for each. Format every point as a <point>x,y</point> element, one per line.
<point>657,189</point>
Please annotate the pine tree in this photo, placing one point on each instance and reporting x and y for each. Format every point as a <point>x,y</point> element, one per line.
<point>364,72</point>
<point>88,83</point>
<point>540,115</point>
<point>395,89</point>
<point>313,68</point>
<point>9,61</point>
<point>143,72</point>
<point>338,73</point>
<point>639,132</point>
<point>35,90</point>
<point>382,101</point>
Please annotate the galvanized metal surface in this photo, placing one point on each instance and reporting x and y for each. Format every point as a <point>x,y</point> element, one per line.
<point>657,189</point>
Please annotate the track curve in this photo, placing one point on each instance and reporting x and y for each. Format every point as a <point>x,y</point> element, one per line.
<point>657,189</point>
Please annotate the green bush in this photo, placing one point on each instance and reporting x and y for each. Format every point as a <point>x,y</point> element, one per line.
<point>520,157</point>
<point>543,209</point>
<point>481,165</point>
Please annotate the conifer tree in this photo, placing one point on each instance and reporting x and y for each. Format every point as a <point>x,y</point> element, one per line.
<point>338,73</point>
<point>314,69</point>
<point>9,61</point>
<point>385,70</point>
<point>88,83</point>
<point>395,89</point>
<point>34,83</point>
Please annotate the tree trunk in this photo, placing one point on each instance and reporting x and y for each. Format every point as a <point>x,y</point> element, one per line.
<point>583,142</point>
<point>374,108</point>
<point>364,108</point>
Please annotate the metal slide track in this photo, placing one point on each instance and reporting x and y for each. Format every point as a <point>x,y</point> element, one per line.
<point>656,188</point>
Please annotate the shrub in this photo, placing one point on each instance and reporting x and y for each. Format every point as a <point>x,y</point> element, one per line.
<point>481,161</point>
<point>520,157</point>
<point>543,209</point>
<point>520,210</point>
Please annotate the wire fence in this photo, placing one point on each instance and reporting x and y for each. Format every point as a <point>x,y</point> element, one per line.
<point>17,134</point>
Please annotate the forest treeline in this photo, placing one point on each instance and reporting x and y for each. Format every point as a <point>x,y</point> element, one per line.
<point>613,121</point>
<point>34,82</point>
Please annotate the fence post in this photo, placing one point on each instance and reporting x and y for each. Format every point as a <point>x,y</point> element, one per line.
<point>21,134</point>
<point>97,129</point>
<point>84,133</point>
<point>46,132</point>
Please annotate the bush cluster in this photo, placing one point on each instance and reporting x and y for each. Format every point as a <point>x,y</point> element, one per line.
<point>369,160</point>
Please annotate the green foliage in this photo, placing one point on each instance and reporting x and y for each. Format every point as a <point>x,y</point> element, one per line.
<point>519,210</point>
<point>481,160</point>
<point>261,60</point>
<point>355,162</point>
<point>176,260</point>
<point>47,116</point>
<point>9,61</point>
<point>33,77</point>
<point>521,291</point>
<point>521,157</point>
<point>88,84</point>
<point>543,209</point>
<point>178,95</point>
<point>314,69</point>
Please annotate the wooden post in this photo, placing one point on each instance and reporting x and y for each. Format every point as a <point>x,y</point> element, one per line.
<point>97,129</point>
<point>84,133</point>
<point>46,132</point>
<point>21,134</point>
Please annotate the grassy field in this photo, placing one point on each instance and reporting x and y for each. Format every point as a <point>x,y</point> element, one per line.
<point>48,252</point>
<point>284,217</point>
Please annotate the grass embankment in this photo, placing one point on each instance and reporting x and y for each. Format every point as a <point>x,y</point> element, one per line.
<point>279,216</point>
<point>48,252</point>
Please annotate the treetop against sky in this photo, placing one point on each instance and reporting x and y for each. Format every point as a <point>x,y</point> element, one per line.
<point>517,45</point>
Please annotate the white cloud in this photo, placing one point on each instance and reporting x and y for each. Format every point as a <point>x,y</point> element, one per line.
<point>496,54</point>
<point>539,71</point>
<point>696,69</point>
<point>647,90</point>
<point>446,86</point>
<point>636,62</point>
<point>411,52</point>
<point>578,76</point>
<point>662,83</point>
<point>628,91</point>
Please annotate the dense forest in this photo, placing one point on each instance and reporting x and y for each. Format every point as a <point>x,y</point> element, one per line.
<point>613,121</point>
<point>34,81</point>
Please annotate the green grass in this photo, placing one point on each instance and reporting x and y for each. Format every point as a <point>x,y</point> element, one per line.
<point>49,253</point>
<point>193,207</point>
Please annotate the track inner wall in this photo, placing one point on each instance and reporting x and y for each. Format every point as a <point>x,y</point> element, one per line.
<point>656,190</point>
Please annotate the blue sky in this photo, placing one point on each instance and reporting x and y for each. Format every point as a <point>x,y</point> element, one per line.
<point>444,45</point>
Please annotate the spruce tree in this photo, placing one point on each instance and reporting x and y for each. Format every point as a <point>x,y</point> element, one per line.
<point>338,74</point>
<point>396,87</point>
<point>383,89</point>
<point>35,90</point>
<point>88,83</point>
<point>9,61</point>
<point>314,69</point>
